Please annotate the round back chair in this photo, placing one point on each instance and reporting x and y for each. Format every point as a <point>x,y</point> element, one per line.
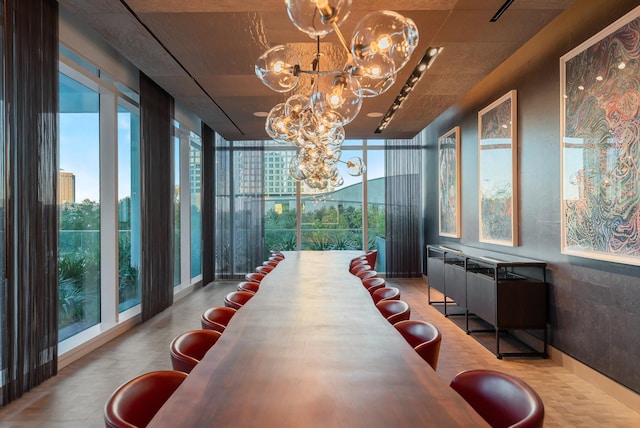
<point>394,310</point>
<point>359,267</point>
<point>371,256</point>
<point>502,400</point>
<point>366,274</point>
<point>385,293</point>
<point>373,281</point>
<point>188,348</point>
<point>424,337</point>
<point>254,276</point>
<point>237,299</point>
<point>264,269</point>
<point>137,401</point>
<point>250,286</point>
<point>272,263</point>
<point>216,318</point>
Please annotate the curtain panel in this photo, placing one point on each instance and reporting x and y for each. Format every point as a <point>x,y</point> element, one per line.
<point>157,193</point>
<point>403,167</point>
<point>208,204</point>
<point>239,207</point>
<point>29,310</point>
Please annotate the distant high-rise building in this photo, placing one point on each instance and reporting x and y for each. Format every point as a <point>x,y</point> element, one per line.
<point>66,187</point>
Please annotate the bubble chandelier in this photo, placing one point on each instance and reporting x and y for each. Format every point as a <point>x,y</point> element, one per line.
<point>381,45</point>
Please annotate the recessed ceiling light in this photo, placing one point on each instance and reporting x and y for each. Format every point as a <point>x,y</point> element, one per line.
<point>375,114</point>
<point>260,113</point>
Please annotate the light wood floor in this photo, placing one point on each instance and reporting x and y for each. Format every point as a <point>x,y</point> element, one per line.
<point>76,396</point>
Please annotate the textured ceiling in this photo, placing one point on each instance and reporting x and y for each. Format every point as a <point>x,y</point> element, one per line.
<point>203,53</point>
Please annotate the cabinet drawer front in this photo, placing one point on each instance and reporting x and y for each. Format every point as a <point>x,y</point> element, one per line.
<point>481,296</point>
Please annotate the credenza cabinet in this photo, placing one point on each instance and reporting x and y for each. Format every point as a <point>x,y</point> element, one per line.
<point>507,292</point>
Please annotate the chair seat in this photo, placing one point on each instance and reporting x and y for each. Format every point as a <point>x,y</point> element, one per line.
<point>216,318</point>
<point>367,274</point>
<point>503,400</point>
<point>250,286</point>
<point>254,276</point>
<point>394,310</point>
<point>385,293</point>
<point>236,299</point>
<point>424,337</point>
<point>137,401</point>
<point>187,349</point>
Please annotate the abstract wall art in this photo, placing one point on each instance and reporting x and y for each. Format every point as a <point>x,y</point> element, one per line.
<point>498,172</point>
<point>449,183</point>
<point>600,146</point>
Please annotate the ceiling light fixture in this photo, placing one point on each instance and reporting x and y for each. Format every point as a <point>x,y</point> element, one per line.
<point>420,69</point>
<point>381,45</point>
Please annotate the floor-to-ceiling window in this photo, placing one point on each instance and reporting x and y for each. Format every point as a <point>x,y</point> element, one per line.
<point>350,216</point>
<point>280,213</point>
<point>128,205</point>
<point>375,197</point>
<point>195,184</point>
<point>79,205</point>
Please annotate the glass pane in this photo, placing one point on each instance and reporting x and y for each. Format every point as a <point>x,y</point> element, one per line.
<point>195,183</point>
<point>128,208</point>
<point>332,220</point>
<point>79,204</point>
<point>376,206</point>
<point>279,202</point>
<point>176,209</point>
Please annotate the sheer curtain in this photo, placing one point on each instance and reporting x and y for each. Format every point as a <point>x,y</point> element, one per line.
<point>29,306</point>
<point>239,225</point>
<point>208,204</point>
<point>157,192</point>
<point>403,167</point>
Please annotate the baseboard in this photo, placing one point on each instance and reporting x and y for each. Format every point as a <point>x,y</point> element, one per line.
<point>607,385</point>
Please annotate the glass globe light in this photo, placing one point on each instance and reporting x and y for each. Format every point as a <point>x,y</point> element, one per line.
<point>335,92</point>
<point>373,79</point>
<point>278,125</point>
<point>277,68</point>
<point>384,33</point>
<point>336,181</point>
<point>315,17</point>
<point>296,170</point>
<point>355,166</point>
<point>297,105</point>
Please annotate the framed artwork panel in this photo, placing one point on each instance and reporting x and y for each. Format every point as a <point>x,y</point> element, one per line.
<point>498,172</point>
<point>600,146</point>
<point>449,183</point>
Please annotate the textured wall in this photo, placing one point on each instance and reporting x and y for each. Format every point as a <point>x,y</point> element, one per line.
<point>594,305</point>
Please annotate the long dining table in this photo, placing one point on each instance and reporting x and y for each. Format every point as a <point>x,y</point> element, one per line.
<point>310,349</point>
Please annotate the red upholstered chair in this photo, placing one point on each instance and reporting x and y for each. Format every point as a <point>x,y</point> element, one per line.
<point>373,281</point>
<point>216,318</point>
<point>137,401</point>
<point>385,293</point>
<point>367,274</point>
<point>358,259</point>
<point>276,253</point>
<point>237,299</point>
<point>188,348</point>
<point>359,267</point>
<point>502,400</point>
<point>264,269</point>
<point>371,256</point>
<point>394,310</point>
<point>254,276</point>
<point>276,258</point>
<point>272,263</point>
<point>424,337</point>
<point>251,287</point>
